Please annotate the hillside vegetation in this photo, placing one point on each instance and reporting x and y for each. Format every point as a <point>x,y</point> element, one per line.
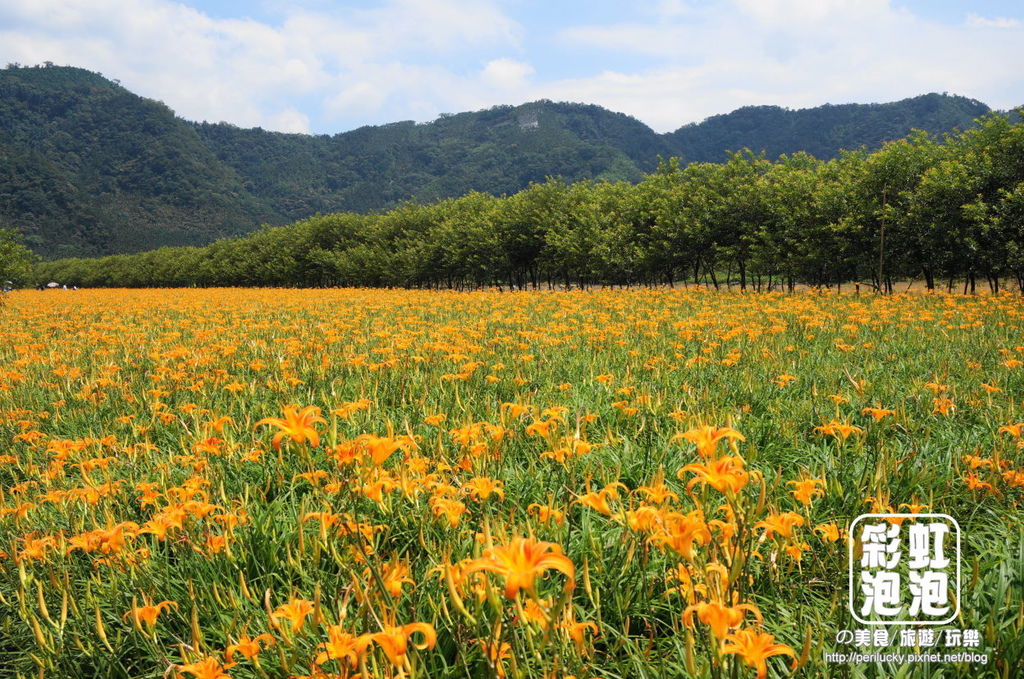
<point>89,168</point>
<point>938,210</point>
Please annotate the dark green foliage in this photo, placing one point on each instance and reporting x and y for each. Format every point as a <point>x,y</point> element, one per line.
<point>87,167</point>
<point>498,151</point>
<point>824,130</point>
<point>16,260</point>
<point>920,207</point>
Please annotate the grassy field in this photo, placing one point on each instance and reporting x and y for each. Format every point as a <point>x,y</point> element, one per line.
<point>285,483</point>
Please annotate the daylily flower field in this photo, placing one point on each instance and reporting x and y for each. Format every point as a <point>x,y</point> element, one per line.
<point>618,483</point>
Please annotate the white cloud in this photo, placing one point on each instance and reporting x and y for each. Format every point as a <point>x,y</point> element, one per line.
<point>673,8</point>
<point>445,24</point>
<point>794,53</point>
<point>253,73</point>
<point>290,120</point>
<point>803,12</point>
<point>324,67</point>
<point>976,21</point>
<point>507,74</point>
<point>402,91</point>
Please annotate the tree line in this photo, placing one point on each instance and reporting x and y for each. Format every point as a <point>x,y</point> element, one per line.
<point>947,211</point>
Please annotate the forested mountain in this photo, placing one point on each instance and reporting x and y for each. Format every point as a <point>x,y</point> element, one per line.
<point>823,130</point>
<point>942,210</point>
<point>87,167</point>
<point>497,151</point>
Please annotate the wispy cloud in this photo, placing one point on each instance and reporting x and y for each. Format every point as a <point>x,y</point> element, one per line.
<point>667,62</point>
<point>254,73</point>
<point>507,74</point>
<point>716,57</point>
<point>976,21</point>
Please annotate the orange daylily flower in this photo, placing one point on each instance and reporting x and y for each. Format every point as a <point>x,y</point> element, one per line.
<point>295,611</point>
<point>380,448</point>
<point>783,380</point>
<point>782,524</point>
<point>395,574</point>
<point>207,668</point>
<point>346,410</point>
<point>435,420</point>
<point>596,500</point>
<point>342,645</point>
<point>643,519</point>
<point>805,490</point>
<point>878,413</point>
<point>495,654</point>
<point>975,461</point>
<point>394,641</point>
<point>543,428</point>
<point>755,648</point>
<point>1014,430</point>
<point>296,425</point>
<point>480,488</point>
<point>36,548</point>
<point>942,405</point>
<point>829,532</point>
<point>719,617</point>
<point>1014,479</point>
<point>546,513</point>
<point>838,430</point>
<point>707,438</point>
<point>250,648</point>
<point>974,483</point>
<point>685,586</point>
<point>681,531</point>
<point>521,561</point>
<point>218,424</point>
<point>451,510</point>
<point>657,492</point>
<point>516,410</point>
<point>535,611</point>
<point>577,632</point>
<point>149,612</point>
<point>796,550</point>
<point>726,474</point>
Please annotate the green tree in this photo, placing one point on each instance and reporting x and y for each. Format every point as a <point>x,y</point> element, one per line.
<point>16,260</point>
<point>881,193</point>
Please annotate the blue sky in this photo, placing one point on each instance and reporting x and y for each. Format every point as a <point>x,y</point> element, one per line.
<point>325,67</point>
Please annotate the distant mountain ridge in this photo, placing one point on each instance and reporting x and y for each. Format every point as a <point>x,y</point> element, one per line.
<point>89,168</point>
